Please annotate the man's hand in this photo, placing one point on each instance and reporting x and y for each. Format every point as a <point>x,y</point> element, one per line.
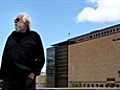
<point>30,78</point>
<point>1,81</point>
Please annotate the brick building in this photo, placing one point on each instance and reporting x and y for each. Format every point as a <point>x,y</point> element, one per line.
<point>90,60</point>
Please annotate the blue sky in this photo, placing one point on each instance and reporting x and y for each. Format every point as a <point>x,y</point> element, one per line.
<point>54,19</point>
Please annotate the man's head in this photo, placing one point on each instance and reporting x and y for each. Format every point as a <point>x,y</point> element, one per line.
<point>22,22</point>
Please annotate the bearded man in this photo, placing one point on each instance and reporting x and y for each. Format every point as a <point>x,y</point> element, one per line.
<point>23,56</point>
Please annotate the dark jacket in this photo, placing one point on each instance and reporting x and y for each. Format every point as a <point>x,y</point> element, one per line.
<point>24,50</point>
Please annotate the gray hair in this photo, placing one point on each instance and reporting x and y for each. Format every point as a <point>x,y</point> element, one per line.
<point>26,18</point>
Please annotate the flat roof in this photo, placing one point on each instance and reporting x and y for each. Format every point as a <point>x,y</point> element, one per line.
<point>67,41</point>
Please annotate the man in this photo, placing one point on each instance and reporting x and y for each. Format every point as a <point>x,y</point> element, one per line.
<point>23,56</point>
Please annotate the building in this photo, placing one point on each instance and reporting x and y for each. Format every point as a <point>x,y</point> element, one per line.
<point>90,60</point>
<point>50,67</point>
<point>41,80</point>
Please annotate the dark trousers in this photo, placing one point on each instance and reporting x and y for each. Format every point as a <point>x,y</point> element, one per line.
<point>17,85</point>
<point>15,78</point>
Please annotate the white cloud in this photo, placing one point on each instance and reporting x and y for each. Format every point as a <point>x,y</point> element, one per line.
<point>106,11</point>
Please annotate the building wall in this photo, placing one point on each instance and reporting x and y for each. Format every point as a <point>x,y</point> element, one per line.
<point>61,66</point>
<point>93,61</point>
<point>41,80</point>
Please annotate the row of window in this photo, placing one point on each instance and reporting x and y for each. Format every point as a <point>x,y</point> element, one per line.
<point>105,32</point>
<point>101,85</point>
<point>116,39</point>
<point>98,34</point>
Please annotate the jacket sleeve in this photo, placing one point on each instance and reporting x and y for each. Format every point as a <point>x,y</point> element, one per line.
<point>3,61</point>
<point>40,59</point>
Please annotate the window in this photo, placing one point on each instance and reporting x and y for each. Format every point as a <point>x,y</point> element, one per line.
<point>113,30</point>
<point>98,34</point>
<point>117,29</point>
<point>91,36</point>
<point>84,85</point>
<point>96,85</point>
<point>101,85</point>
<point>88,85</point>
<point>106,85</point>
<point>110,30</point>
<point>117,85</point>
<point>111,79</point>
<point>92,85</point>
<point>104,32</point>
<point>114,39</point>
<point>118,38</point>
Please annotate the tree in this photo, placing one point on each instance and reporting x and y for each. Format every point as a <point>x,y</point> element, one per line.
<point>119,73</point>
<point>75,84</point>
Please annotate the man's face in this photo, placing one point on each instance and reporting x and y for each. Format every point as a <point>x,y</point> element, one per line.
<point>19,24</point>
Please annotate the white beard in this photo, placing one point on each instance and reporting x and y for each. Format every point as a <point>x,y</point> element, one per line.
<point>20,27</point>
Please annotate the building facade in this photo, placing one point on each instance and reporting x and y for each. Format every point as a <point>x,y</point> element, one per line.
<point>57,65</point>
<point>90,60</point>
<point>41,80</point>
<point>50,67</point>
